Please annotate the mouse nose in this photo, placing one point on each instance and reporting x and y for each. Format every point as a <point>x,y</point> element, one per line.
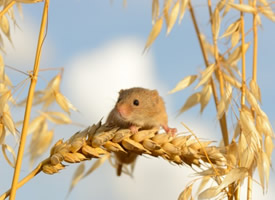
<point>123,111</point>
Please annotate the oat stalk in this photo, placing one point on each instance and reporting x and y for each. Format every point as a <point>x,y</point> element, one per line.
<point>243,57</point>
<point>7,8</point>
<point>255,44</point>
<point>254,78</point>
<point>249,184</point>
<point>33,77</point>
<point>222,121</point>
<point>31,175</point>
<point>237,192</point>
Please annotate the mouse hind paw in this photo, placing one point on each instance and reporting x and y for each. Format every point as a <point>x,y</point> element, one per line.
<point>170,131</point>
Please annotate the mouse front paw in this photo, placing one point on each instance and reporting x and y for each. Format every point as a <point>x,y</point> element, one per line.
<point>134,129</point>
<point>170,131</point>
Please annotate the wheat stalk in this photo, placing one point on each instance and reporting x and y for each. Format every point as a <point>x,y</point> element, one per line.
<point>99,140</point>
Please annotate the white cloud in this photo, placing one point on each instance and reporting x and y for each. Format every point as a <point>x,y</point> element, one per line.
<point>92,81</point>
<point>21,54</point>
<point>153,179</point>
<point>94,78</point>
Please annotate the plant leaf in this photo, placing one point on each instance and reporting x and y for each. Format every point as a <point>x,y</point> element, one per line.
<point>97,164</point>
<point>5,26</point>
<point>263,166</point>
<point>204,181</point>
<point>206,75</point>
<point>183,6</point>
<point>243,7</point>
<point>224,102</point>
<point>62,102</point>
<point>55,83</point>
<point>155,10</point>
<point>186,193</point>
<point>8,122</point>
<point>252,101</point>
<point>2,71</point>
<point>57,117</point>
<point>154,33</point>
<point>166,9</point>
<point>249,129</point>
<point>2,133</point>
<point>8,148</point>
<point>205,96</point>
<point>78,174</point>
<point>236,55</point>
<point>173,17</point>
<point>187,81</point>
<point>235,38</point>
<point>232,28</point>
<point>191,101</point>
<point>40,144</point>
<point>263,124</point>
<point>266,11</point>
<point>232,81</point>
<point>268,147</point>
<point>234,175</point>
<point>209,193</point>
<point>255,89</point>
<point>36,123</point>
<point>216,23</point>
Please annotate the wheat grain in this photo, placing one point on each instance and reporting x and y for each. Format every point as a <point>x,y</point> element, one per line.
<point>99,140</point>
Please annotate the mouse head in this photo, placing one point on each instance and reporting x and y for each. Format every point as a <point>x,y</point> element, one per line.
<point>137,104</point>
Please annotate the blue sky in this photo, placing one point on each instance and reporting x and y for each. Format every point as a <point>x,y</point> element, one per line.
<point>100,45</point>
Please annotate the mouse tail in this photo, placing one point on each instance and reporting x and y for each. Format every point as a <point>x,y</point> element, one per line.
<point>119,169</point>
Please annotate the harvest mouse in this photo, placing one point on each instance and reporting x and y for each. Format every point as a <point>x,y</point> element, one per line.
<point>138,108</point>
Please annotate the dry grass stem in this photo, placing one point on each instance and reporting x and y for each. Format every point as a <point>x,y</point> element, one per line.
<point>249,184</point>
<point>222,120</point>
<point>36,171</point>
<point>255,43</point>
<point>29,103</point>
<point>243,56</point>
<point>215,24</point>
<point>6,8</point>
<point>254,82</point>
<point>237,192</point>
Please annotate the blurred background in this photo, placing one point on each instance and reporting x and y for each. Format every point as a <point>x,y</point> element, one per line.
<point>100,46</point>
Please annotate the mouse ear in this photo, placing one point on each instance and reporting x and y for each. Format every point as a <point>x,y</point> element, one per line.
<point>120,92</point>
<point>155,96</point>
<point>155,93</point>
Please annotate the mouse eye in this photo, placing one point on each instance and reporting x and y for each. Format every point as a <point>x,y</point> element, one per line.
<point>119,99</point>
<point>136,102</point>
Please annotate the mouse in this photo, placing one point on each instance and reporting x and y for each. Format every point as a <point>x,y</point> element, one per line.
<point>138,109</point>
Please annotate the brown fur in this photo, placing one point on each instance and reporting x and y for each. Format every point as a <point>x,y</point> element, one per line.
<point>149,113</point>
